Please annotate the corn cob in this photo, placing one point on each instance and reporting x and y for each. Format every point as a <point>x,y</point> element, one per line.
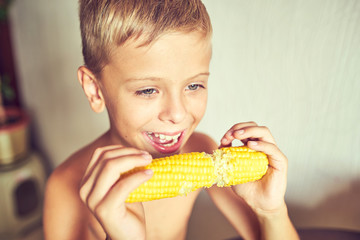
<point>183,173</point>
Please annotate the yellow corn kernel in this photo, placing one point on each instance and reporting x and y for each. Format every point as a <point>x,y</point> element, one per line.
<point>183,173</point>
<point>175,175</point>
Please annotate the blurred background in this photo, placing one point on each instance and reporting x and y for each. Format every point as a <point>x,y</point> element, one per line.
<point>293,66</point>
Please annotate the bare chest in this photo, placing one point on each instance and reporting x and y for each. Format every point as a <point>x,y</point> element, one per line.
<point>165,218</point>
<point>168,218</point>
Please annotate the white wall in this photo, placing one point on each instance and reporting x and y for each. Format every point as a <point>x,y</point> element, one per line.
<point>48,49</point>
<point>291,65</point>
<point>295,67</point>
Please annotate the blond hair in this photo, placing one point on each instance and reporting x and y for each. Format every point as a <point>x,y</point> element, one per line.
<point>106,24</point>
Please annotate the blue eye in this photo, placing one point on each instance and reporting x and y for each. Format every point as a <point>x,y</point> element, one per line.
<point>146,92</point>
<point>194,86</point>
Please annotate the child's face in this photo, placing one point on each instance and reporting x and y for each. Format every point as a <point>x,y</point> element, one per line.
<point>156,95</point>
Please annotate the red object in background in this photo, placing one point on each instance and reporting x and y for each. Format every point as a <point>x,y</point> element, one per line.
<point>7,66</point>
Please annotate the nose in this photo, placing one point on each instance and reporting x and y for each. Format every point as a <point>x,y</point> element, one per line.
<point>173,109</point>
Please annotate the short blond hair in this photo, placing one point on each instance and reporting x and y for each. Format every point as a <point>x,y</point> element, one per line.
<point>106,24</point>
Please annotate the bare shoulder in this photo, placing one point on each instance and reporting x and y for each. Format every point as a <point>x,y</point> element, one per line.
<point>200,142</point>
<point>65,216</point>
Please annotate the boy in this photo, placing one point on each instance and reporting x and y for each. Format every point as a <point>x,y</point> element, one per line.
<point>147,63</point>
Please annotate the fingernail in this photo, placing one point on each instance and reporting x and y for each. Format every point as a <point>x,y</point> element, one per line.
<point>253,143</point>
<point>148,172</point>
<point>147,156</point>
<point>241,131</point>
<point>229,133</point>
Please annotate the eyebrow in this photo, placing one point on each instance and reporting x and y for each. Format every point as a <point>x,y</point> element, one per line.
<point>158,79</point>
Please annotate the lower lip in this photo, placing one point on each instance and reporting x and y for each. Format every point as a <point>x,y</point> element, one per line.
<point>163,149</point>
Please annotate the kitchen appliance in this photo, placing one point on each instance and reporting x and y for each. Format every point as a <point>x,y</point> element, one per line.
<point>22,178</point>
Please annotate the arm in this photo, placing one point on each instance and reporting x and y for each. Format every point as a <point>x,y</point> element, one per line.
<point>90,206</point>
<point>62,218</point>
<point>237,212</point>
<point>266,196</point>
<point>276,224</point>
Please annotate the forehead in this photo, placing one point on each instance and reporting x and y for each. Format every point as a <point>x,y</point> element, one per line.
<point>170,55</point>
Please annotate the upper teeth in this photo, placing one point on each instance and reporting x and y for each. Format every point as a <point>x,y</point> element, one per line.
<point>165,137</point>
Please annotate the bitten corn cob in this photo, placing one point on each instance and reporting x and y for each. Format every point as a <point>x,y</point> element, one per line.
<point>183,173</point>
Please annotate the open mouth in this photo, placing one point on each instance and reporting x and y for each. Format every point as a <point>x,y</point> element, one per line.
<point>165,143</point>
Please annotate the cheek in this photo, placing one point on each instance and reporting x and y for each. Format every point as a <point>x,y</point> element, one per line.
<point>198,107</point>
<point>137,114</point>
<point>202,109</point>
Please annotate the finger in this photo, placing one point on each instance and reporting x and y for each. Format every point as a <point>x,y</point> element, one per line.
<point>277,160</point>
<point>229,137</point>
<point>108,152</point>
<point>96,156</point>
<point>85,183</point>
<point>116,197</point>
<point>261,133</point>
<point>104,155</point>
<point>110,174</point>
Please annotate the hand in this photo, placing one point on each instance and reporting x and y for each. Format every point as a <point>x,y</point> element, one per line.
<point>267,194</point>
<point>104,191</point>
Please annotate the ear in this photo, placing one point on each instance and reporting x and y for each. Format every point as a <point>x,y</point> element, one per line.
<point>91,88</point>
